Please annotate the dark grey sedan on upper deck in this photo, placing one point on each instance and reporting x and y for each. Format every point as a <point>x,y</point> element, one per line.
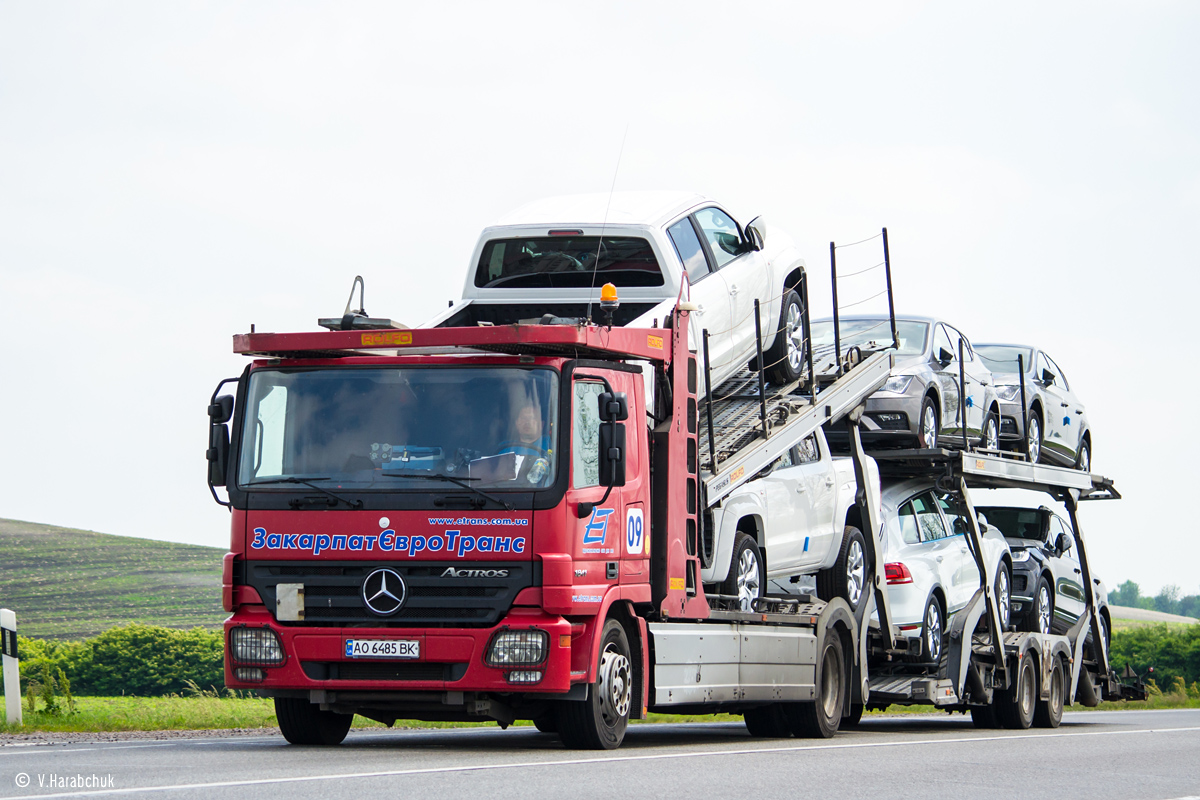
<point>1059,432</point>
<point>921,403</point>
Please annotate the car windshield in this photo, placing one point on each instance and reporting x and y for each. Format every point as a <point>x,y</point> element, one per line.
<point>1014,523</point>
<point>388,428</point>
<point>567,262</point>
<point>873,334</point>
<point>1001,358</point>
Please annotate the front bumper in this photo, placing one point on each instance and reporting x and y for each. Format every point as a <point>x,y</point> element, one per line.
<point>451,659</point>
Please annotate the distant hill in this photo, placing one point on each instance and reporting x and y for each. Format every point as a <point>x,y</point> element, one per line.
<point>68,584</point>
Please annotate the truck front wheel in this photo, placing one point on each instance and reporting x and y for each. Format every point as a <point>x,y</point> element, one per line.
<point>599,722</point>
<point>302,722</point>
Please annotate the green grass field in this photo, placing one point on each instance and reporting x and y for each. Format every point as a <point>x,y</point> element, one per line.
<point>69,584</point>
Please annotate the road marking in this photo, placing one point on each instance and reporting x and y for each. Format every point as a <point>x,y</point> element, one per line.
<point>599,760</point>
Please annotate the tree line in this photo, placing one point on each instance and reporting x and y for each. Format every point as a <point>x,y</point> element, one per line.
<point>1168,601</point>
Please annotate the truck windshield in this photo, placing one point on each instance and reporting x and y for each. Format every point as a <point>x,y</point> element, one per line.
<point>395,428</point>
<point>567,262</point>
<point>874,334</point>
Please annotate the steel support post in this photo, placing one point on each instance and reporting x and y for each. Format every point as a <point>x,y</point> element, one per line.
<point>887,270</point>
<point>987,582</point>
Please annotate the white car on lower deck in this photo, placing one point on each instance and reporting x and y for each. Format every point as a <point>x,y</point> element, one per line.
<point>931,574</point>
<point>799,519</point>
<point>552,256</point>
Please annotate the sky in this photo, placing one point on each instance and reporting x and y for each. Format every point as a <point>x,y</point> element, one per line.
<point>171,173</point>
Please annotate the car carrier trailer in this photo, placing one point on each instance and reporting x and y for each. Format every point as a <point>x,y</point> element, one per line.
<point>455,602</point>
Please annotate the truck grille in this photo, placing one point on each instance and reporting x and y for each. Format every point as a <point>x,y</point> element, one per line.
<point>382,671</point>
<point>333,592</point>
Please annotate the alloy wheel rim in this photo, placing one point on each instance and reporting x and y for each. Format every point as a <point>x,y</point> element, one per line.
<point>616,686</point>
<point>792,329</point>
<point>1002,597</point>
<point>1035,440</point>
<point>1044,610</point>
<point>929,427</point>
<point>856,573</point>
<point>747,580</point>
<point>933,631</point>
<point>992,434</point>
<point>1085,458</point>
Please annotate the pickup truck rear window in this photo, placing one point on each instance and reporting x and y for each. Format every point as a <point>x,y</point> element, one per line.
<point>567,262</point>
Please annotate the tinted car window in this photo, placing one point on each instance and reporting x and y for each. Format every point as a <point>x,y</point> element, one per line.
<point>809,451</point>
<point>722,233</point>
<point>691,252</point>
<point>929,520</point>
<point>908,524</point>
<point>567,261</point>
<point>1016,523</point>
<point>955,513</point>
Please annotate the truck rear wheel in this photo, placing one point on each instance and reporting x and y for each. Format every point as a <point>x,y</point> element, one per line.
<point>767,722</point>
<point>1015,706</point>
<point>302,722</point>
<point>1049,712</point>
<point>820,719</point>
<point>599,722</point>
<point>847,578</point>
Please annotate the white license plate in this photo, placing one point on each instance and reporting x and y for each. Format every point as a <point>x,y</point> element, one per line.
<point>383,648</point>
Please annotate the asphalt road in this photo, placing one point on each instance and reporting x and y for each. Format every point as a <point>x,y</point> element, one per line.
<point>1128,755</point>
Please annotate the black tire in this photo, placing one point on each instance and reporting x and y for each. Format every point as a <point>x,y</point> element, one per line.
<point>786,356</point>
<point>599,722</point>
<point>1083,459</point>
<point>927,437</point>
<point>747,574</point>
<point>1015,706</point>
<point>984,717</point>
<point>547,723</point>
<point>302,722</point>
<point>1040,618</point>
<point>991,431</point>
<point>1048,713</point>
<point>933,629</point>
<point>1003,594</point>
<point>820,719</point>
<point>1034,427</point>
<point>767,722</point>
<point>848,577</point>
<point>852,719</point>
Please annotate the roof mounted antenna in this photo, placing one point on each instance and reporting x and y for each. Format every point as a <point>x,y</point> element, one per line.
<point>352,319</point>
<point>603,225</point>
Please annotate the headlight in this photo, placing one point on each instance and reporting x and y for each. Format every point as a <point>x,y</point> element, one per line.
<point>898,384</point>
<point>1008,393</point>
<point>255,646</point>
<point>517,648</point>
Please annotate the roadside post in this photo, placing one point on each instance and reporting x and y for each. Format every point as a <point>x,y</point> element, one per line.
<point>12,669</point>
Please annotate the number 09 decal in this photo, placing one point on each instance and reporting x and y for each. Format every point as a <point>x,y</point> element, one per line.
<point>636,541</point>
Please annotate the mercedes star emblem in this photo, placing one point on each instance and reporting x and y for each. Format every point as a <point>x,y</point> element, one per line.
<point>384,591</point>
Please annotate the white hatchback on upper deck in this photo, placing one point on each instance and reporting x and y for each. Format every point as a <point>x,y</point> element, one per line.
<point>553,255</point>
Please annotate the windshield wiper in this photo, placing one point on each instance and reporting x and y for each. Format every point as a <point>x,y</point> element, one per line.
<point>309,482</point>
<point>459,481</point>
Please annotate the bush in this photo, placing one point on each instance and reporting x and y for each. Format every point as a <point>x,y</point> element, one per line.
<point>143,660</point>
<point>1173,653</point>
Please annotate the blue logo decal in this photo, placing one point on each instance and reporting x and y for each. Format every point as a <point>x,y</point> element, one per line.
<point>1066,420</point>
<point>970,401</point>
<point>806,544</point>
<point>597,527</point>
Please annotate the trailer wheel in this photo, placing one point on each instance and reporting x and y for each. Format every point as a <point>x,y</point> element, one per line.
<point>302,722</point>
<point>984,717</point>
<point>1049,712</point>
<point>787,353</point>
<point>767,722</point>
<point>599,722</point>
<point>746,579</point>
<point>820,719</point>
<point>847,577</point>
<point>1016,705</point>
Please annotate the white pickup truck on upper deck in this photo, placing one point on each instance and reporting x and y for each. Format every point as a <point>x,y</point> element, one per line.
<point>552,256</point>
<point>798,519</point>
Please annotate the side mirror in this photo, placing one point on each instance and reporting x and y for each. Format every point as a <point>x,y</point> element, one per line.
<point>1047,377</point>
<point>612,454</point>
<point>220,411</point>
<point>756,234</point>
<point>1063,544</point>
<point>945,356</point>
<point>614,406</point>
